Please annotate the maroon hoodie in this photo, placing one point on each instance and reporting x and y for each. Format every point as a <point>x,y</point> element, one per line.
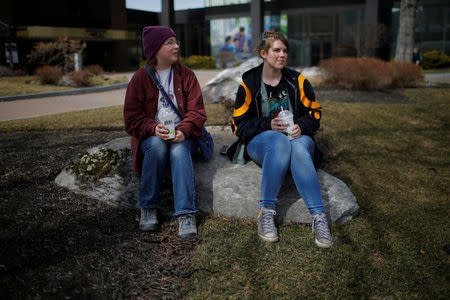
<point>141,103</point>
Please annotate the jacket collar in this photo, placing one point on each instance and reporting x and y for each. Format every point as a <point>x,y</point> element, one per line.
<point>252,78</point>
<point>176,66</point>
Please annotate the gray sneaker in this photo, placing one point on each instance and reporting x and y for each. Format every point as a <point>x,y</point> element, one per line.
<point>149,219</point>
<point>266,225</point>
<point>322,230</point>
<point>187,227</point>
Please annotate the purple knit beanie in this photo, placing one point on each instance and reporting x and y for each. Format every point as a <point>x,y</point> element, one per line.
<point>153,37</point>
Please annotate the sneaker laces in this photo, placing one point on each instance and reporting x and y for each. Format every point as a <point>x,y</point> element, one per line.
<point>185,221</point>
<point>267,220</point>
<point>320,227</point>
<point>148,213</point>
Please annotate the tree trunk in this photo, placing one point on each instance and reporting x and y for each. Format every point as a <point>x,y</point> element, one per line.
<point>405,37</point>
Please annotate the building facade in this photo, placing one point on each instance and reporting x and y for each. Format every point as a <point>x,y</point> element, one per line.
<point>102,24</point>
<point>316,29</point>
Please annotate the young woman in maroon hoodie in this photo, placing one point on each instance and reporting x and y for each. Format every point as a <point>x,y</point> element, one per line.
<point>151,145</point>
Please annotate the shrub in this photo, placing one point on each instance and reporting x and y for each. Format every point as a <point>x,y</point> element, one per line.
<point>81,78</point>
<point>49,74</point>
<point>57,53</point>
<point>357,73</point>
<point>5,71</point>
<point>18,72</point>
<point>369,73</point>
<point>199,62</point>
<point>97,80</point>
<point>406,74</point>
<point>94,69</point>
<point>435,59</point>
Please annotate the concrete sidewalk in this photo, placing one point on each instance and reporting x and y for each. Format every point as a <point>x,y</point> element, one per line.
<point>438,77</point>
<point>29,108</point>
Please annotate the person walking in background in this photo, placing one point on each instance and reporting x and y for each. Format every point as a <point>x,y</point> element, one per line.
<point>152,147</point>
<point>242,38</point>
<point>228,45</point>
<point>269,93</point>
<point>416,58</point>
<point>235,44</point>
<point>226,56</point>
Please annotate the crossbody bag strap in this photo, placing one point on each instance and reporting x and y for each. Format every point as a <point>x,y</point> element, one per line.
<point>161,90</point>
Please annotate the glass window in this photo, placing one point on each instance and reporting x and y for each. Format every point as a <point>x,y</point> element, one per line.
<point>221,28</point>
<point>299,42</point>
<point>295,26</point>
<point>348,33</point>
<point>433,18</point>
<point>209,3</point>
<point>347,27</point>
<point>321,24</point>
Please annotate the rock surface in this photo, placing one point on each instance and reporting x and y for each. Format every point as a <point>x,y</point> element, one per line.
<point>223,188</point>
<point>226,83</point>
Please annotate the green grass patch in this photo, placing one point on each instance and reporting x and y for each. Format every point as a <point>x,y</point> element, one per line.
<point>26,85</point>
<point>107,118</point>
<point>395,159</point>
<point>100,80</point>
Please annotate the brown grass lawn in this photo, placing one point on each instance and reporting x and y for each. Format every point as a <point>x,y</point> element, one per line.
<point>30,84</point>
<point>26,85</point>
<point>394,158</point>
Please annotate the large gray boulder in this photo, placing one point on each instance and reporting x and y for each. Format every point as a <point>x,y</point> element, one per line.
<point>226,83</point>
<point>105,173</point>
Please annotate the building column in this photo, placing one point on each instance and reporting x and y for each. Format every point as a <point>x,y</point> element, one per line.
<point>167,14</point>
<point>188,37</point>
<point>119,47</point>
<point>257,15</point>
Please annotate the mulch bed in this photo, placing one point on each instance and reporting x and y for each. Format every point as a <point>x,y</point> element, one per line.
<point>56,244</point>
<point>60,245</point>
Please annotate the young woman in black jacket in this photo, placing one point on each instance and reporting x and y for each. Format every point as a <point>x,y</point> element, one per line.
<point>265,91</point>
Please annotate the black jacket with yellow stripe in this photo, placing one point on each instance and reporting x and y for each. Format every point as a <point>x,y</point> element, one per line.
<point>247,116</point>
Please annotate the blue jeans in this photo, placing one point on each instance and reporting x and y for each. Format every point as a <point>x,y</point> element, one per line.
<point>157,153</point>
<point>276,153</point>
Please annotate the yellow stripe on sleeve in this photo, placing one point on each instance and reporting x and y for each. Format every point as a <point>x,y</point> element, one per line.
<point>306,102</point>
<point>248,98</point>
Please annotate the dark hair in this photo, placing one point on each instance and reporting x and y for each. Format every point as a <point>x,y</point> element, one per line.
<point>242,29</point>
<point>227,38</point>
<point>153,61</point>
<point>271,36</point>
